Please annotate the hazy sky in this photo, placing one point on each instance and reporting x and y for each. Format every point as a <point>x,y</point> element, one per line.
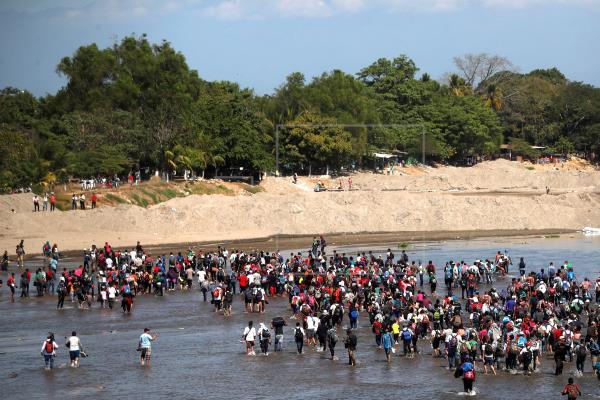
<point>259,42</point>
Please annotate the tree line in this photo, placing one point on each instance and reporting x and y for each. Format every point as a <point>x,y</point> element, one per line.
<point>138,105</point>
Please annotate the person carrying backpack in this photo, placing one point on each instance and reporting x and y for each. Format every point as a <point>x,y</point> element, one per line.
<point>350,344</point>
<point>332,339</point>
<point>580,356</point>
<point>407,336</point>
<point>571,390</point>
<point>299,337</point>
<point>264,336</point>
<point>452,342</point>
<point>467,371</point>
<point>48,351</point>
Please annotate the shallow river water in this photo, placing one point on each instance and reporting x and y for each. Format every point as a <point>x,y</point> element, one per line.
<point>199,355</point>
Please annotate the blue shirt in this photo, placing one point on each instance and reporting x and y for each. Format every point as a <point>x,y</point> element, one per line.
<point>387,340</point>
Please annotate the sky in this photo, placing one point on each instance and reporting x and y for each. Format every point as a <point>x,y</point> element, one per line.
<point>257,43</point>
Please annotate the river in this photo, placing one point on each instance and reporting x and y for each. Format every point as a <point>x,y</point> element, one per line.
<point>199,355</point>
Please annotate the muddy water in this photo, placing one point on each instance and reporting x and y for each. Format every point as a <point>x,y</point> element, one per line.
<point>198,353</point>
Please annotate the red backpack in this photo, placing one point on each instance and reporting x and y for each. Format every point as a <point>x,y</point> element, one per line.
<point>49,347</point>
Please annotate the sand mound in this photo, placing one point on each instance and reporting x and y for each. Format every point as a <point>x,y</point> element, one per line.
<point>497,195</point>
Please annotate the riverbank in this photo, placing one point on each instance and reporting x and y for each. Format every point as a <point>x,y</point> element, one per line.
<point>420,204</point>
<point>400,240</point>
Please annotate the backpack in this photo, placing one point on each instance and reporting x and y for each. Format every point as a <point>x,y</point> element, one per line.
<point>215,292</point>
<point>469,375</point>
<point>49,347</point>
<point>571,391</point>
<point>354,314</point>
<point>406,335</point>
<point>453,342</point>
<point>258,296</point>
<point>333,337</point>
<point>266,334</point>
<point>298,335</point>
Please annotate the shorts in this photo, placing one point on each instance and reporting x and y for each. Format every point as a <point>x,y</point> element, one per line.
<point>488,360</point>
<point>73,354</point>
<point>146,353</point>
<point>310,333</point>
<point>387,351</point>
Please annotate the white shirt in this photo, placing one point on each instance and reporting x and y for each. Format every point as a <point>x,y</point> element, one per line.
<point>249,334</point>
<point>74,343</point>
<point>201,276</point>
<point>109,263</point>
<point>112,292</point>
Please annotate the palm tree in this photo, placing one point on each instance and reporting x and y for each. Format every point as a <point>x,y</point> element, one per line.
<point>458,86</point>
<point>493,97</point>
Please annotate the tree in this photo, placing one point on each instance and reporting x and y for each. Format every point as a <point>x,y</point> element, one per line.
<point>384,75</point>
<point>478,68</point>
<point>458,86</point>
<point>315,141</point>
<point>563,146</point>
<point>493,97</point>
<point>522,148</point>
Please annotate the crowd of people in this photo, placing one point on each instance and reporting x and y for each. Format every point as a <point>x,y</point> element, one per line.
<point>48,200</point>
<point>467,322</point>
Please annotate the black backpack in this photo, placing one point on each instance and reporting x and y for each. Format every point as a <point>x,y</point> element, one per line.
<point>298,335</point>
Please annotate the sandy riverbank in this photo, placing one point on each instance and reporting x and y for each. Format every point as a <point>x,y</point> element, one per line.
<point>498,196</point>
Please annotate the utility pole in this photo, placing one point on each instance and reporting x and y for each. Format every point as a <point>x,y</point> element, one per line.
<point>277,150</point>
<point>423,146</point>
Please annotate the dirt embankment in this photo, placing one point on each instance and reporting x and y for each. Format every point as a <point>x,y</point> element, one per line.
<point>498,195</point>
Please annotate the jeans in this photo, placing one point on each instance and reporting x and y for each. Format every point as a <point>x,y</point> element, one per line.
<point>264,346</point>
<point>49,360</point>
<point>299,345</point>
<point>580,362</point>
<point>278,342</point>
<point>452,358</point>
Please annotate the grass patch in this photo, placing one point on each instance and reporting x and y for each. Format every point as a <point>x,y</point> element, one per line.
<point>140,201</point>
<point>169,193</point>
<point>205,188</point>
<point>552,237</point>
<point>253,189</point>
<point>530,168</point>
<point>152,196</point>
<point>115,199</point>
<point>403,245</point>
